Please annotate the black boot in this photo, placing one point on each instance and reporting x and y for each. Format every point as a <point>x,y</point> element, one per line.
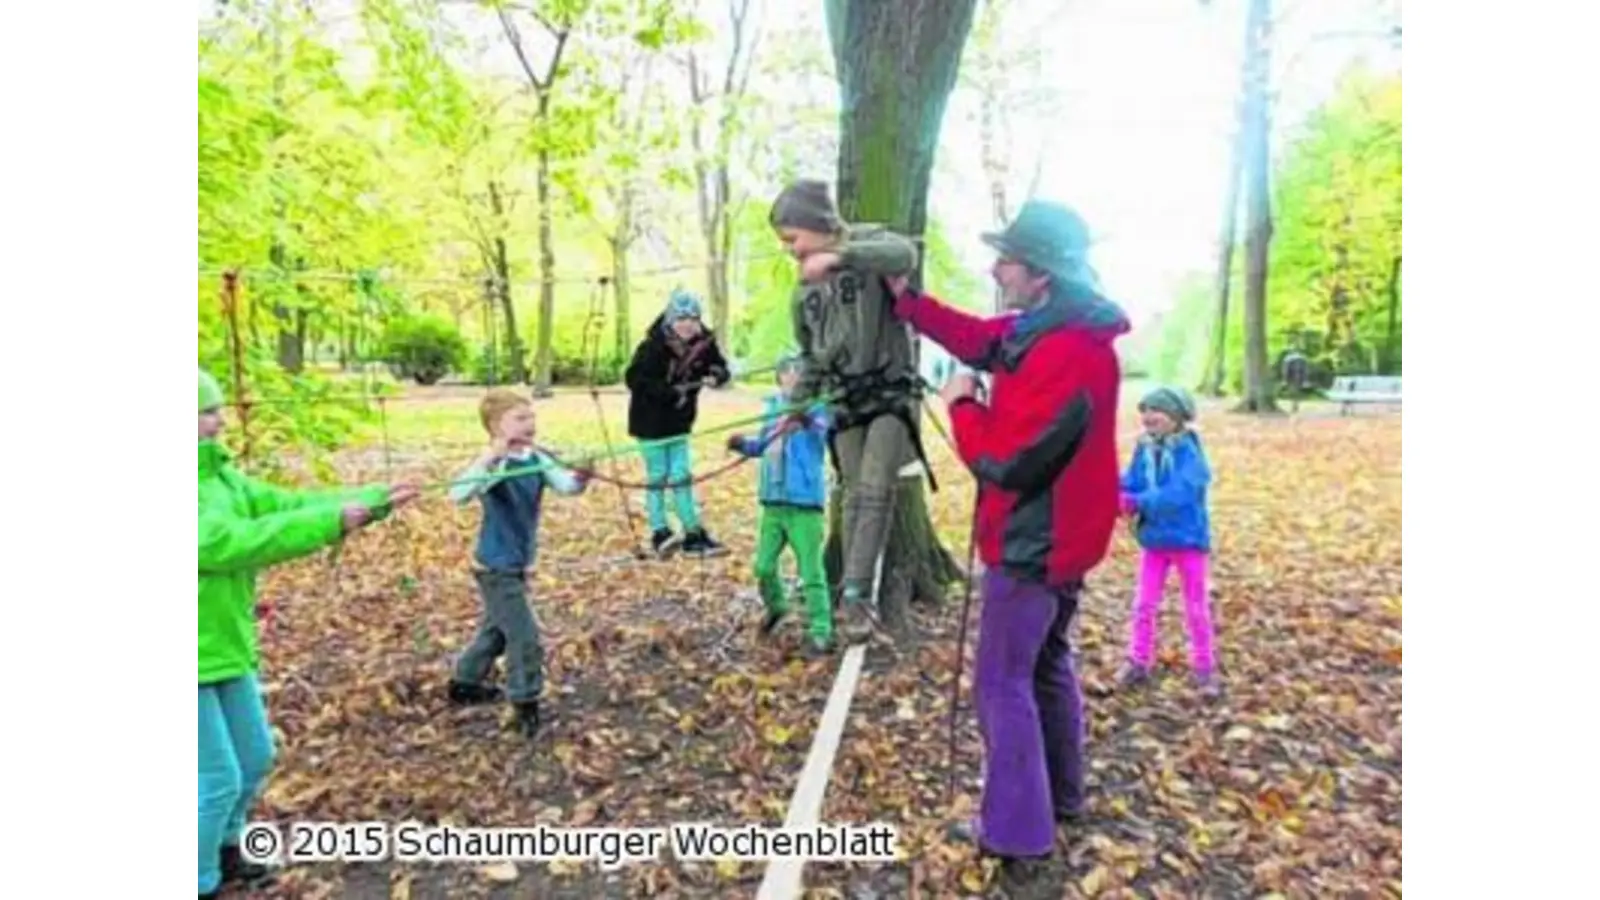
<point>528,718</point>
<point>464,694</point>
<point>237,870</point>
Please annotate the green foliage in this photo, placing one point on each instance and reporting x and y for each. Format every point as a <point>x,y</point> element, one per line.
<point>1336,244</point>
<point>423,348</point>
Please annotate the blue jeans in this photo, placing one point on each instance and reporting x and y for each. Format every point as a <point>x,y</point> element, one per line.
<point>663,464</point>
<point>235,756</point>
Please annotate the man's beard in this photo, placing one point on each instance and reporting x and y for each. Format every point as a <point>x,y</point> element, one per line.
<point>1017,299</point>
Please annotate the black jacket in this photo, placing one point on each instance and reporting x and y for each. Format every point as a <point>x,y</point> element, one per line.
<point>665,386</point>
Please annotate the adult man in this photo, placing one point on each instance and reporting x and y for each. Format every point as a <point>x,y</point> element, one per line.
<point>1043,449</point>
<point>853,350</point>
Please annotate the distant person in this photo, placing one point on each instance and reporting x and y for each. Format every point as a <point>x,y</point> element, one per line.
<point>1164,490</point>
<point>677,358</point>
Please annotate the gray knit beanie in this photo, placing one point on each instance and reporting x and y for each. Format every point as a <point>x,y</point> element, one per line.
<point>806,204</point>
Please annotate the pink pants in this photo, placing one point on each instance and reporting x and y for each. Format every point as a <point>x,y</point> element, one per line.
<point>1192,565</point>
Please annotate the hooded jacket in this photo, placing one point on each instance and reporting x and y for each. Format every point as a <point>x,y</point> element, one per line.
<point>1168,481</point>
<point>245,526</point>
<point>664,380</point>
<point>792,464</point>
<point>1044,446</point>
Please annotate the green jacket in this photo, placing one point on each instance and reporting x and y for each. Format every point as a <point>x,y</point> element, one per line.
<point>247,525</point>
<point>847,322</point>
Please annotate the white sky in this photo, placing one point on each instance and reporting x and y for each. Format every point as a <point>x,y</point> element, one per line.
<point>1140,142</point>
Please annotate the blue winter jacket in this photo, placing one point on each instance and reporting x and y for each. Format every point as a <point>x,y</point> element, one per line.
<point>1168,483</point>
<point>792,464</point>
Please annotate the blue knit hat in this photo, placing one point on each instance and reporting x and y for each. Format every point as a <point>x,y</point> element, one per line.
<point>789,362</point>
<point>682,305</point>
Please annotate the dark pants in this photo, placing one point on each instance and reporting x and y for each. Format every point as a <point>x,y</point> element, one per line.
<point>1030,712</point>
<point>507,626</point>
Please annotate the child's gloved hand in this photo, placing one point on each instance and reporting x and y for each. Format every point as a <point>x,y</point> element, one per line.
<point>736,444</point>
<point>1127,505</point>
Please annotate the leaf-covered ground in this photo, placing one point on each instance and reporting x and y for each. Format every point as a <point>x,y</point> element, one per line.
<point>664,706</point>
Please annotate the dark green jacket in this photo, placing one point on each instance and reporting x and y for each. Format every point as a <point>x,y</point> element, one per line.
<point>846,324</point>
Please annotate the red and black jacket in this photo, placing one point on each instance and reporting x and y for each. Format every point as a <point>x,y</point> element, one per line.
<point>1044,447</point>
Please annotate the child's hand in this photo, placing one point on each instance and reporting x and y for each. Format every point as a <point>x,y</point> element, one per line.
<point>403,493</point>
<point>583,470</point>
<point>1127,505</point>
<point>354,517</point>
<point>736,444</point>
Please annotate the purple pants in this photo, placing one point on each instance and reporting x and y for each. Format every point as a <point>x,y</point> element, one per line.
<point>1030,712</point>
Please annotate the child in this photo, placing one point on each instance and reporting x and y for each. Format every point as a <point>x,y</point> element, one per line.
<point>508,541</point>
<point>245,526</point>
<point>1164,489</point>
<point>793,497</point>
<point>675,360</point>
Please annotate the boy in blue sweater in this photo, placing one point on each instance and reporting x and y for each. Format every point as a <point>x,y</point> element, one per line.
<point>793,497</point>
<point>508,540</point>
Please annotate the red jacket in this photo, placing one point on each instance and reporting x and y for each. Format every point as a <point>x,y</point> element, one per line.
<point>1044,448</point>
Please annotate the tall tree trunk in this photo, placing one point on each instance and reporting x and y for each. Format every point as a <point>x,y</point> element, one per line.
<point>547,265</point>
<point>896,65</point>
<point>502,288</point>
<point>621,243</point>
<point>1258,234</point>
<point>1391,346</point>
<point>1215,380</point>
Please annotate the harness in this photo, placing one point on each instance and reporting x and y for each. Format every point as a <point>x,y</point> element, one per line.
<point>862,398</point>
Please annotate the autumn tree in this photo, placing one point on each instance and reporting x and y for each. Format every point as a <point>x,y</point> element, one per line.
<point>896,65</point>
<point>717,90</point>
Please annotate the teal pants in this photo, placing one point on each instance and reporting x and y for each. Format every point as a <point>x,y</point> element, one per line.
<point>669,464</point>
<point>235,756</point>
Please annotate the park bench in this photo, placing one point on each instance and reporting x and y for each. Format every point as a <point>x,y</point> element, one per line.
<point>1349,390</point>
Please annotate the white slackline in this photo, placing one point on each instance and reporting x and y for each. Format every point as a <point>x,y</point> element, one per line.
<point>782,881</point>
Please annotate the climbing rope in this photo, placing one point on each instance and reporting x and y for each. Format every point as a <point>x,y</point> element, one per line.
<point>592,326</point>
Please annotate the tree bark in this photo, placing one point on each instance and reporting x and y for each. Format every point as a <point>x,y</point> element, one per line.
<point>896,65</point>
<point>1391,349</point>
<point>502,289</point>
<point>547,264</point>
<point>1215,380</point>
<point>1258,235</point>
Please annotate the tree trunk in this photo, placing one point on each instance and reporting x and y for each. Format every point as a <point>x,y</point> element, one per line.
<point>620,296</point>
<point>502,289</point>
<point>1215,380</point>
<point>896,65</point>
<point>547,265</point>
<point>1258,236</point>
<point>1391,348</point>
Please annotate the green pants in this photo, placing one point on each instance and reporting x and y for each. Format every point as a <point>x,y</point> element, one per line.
<point>802,530</point>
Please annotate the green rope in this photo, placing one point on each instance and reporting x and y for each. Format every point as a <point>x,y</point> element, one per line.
<point>638,447</point>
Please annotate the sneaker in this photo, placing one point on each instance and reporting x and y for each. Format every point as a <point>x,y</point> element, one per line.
<point>527,719</point>
<point>464,694</point>
<point>665,543</point>
<point>237,870</point>
<point>697,543</point>
<point>857,625</point>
